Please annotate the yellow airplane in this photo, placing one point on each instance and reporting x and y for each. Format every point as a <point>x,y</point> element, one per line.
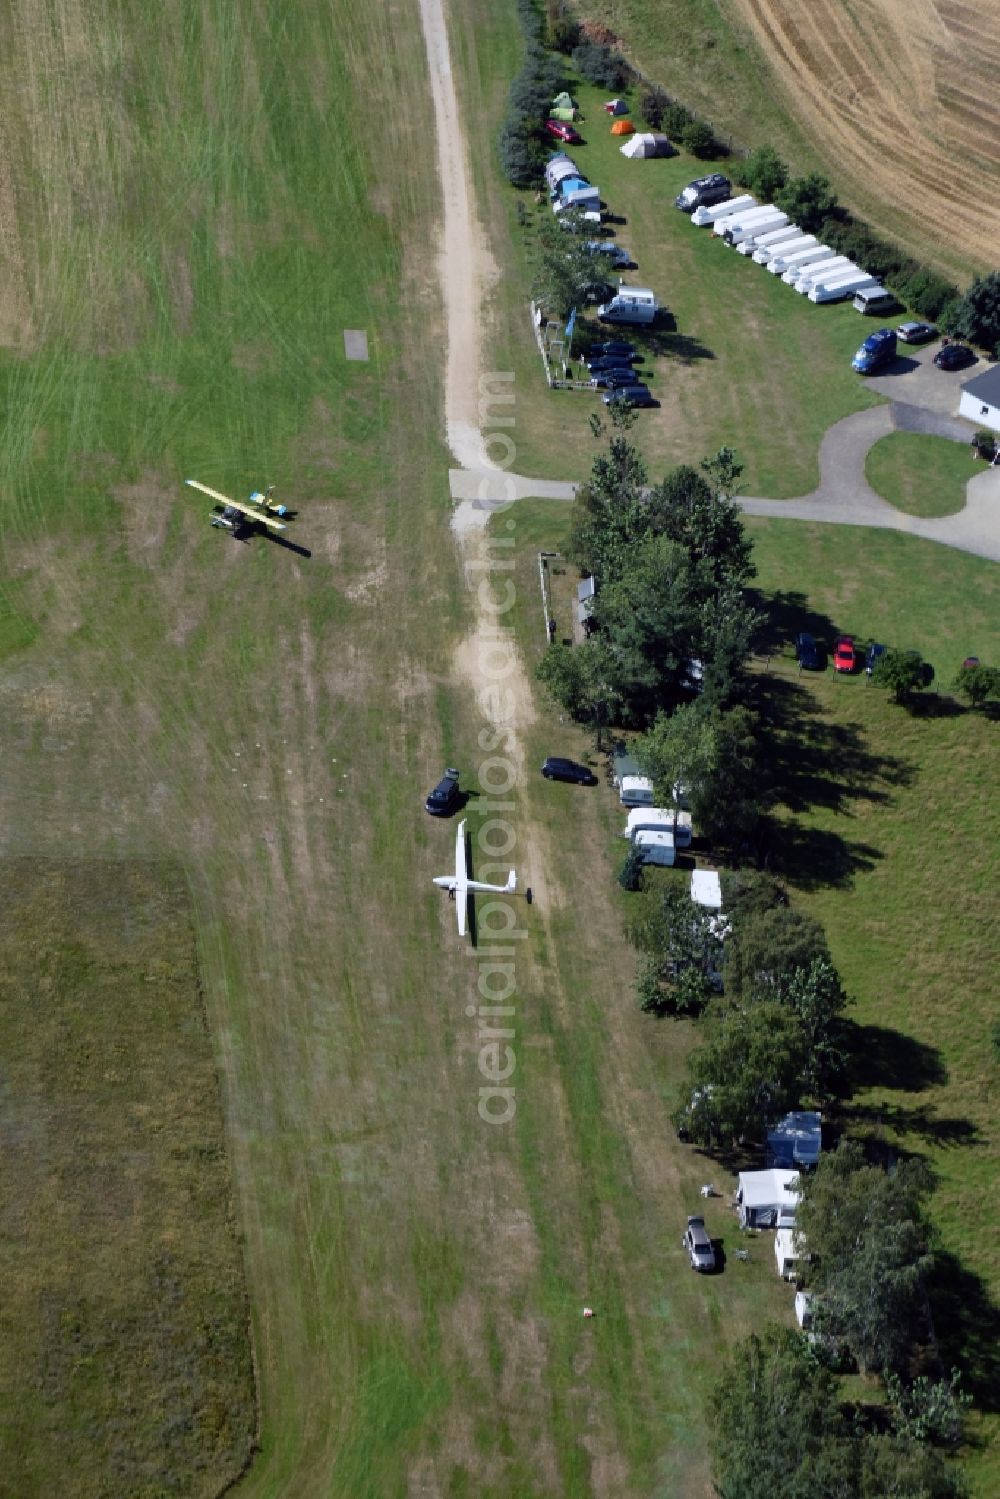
<point>259,508</point>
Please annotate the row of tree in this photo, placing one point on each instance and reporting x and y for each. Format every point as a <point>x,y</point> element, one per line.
<point>780,1427</point>
<point>769,1002</point>
<point>522,138</point>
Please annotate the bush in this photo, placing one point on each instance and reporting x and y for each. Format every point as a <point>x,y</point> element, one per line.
<point>630,874</point>
<point>976,316</point>
<point>807,200</point>
<point>926,292</point>
<point>653,106</point>
<point>697,137</point>
<point>521,155</point>
<point>564,34</point>
<point>601,66</point>
<point>676,120</point>
<point>763,172</point>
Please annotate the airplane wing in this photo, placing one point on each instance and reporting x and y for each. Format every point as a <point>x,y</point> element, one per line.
<point>250,510</point>
<point>461,880</point>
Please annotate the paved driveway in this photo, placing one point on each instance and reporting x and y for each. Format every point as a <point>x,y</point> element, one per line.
<point>914,380</point>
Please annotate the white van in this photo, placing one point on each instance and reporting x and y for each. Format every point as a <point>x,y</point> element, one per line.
<point>636,791</point>
<point>874,299</point>
<point>630,304</point>
<point>659,820</point>
<point>656,848</point>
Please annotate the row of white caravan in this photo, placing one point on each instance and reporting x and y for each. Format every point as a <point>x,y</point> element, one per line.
<point>764,232</point>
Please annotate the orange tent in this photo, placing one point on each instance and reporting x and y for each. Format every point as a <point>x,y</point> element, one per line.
<point>622,127</point>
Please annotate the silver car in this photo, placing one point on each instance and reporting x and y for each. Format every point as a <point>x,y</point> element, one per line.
<point>698,1245</point>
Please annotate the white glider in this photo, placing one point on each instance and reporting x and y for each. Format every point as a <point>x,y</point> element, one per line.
<point>460,887</point>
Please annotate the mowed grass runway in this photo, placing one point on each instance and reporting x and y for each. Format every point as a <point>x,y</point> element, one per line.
<point>203,200</point>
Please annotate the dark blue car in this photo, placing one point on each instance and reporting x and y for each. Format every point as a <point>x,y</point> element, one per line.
<point>809,652</point>
<point>878,350</point>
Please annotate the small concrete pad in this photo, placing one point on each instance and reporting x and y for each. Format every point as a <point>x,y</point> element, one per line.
<point>355,343</point>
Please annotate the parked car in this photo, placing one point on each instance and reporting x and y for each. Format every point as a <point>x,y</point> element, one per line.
<point>617,254</point>
<point>609,362</point>
<point>808,652</point>
<point>612,379</point>
<point>698,1244</point>
<point>703,191</point>
<point>636,395</point>
<point>916,333</point>
<point>564,132</point>
<point>845,657</point>
<point>446,796</point>
<point>954,357</point>
<point>614,346</point>
<point>558,769</point>
<point>878,350</point>
<point>873,656</point>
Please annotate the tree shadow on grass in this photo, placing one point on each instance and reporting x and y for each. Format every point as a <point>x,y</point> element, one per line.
<point>933,705</point>
<point>889,1059</point>
<point>816,858</point>
<point>967,1323</point>
<point>785,614</point>
<point>682,348</point>
<point>922,1121</point>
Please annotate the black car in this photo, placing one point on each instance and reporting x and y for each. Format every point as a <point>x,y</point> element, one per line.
<point>612,379</point>
<point>873,656</point>
<point>954,357</point>
<point>557,769</point>
<point>446,797</point>
<point>613,346</point>
<point>636,395</point>
<point>808,652</point>
<point>610,362</point>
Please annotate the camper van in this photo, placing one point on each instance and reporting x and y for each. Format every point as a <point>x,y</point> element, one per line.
<point>703,192</point>
<point>630,304</point>
<point>636,791</point>
<point>710,213</point>
<point>656,847</point>
<point>873,300</point>
<point>847,285</point>
<point>769,241</point>
<point>659,820</point>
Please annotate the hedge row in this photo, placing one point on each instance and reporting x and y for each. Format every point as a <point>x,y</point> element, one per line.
<point>536,83</point>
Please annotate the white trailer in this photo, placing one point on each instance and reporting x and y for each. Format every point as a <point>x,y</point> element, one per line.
<point>712,211</point>
<point>826,270</point>
<point>659,820</point>
<point>770,240</point>
<point>779,263</point>
<point>822,255</point>
<point>844,286</point>
<point>743,216</point>
<point>747,233</point>
<point>656,847</point>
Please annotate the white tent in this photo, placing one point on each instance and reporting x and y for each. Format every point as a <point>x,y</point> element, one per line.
<point>765,1198</point>
<point>644,144</point>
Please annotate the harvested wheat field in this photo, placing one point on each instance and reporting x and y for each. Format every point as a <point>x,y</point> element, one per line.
<point>900,100</point>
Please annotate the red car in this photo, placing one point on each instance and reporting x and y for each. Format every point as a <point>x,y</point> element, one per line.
<point>845,657</point>
<point>563,132</point>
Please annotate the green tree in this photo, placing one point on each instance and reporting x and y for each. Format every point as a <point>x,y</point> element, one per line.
<point>896,1467</point>
<point>902,673</point>
<point>610,511</point>
<point>777,1428</point>
<point>928,1410</point>
<point>653,105</point>
<point>976,315</point>
<point>696,510</point>
<point>582,680</point>
<point>978,684</point>
<point>567,273</point>
<point>763,173</point>
<point>630,874</point>
<point>868,1240</point>
<point>699,139</point>
<point>715,754</point>
<point>683,948</point>
<point>768,948</point>
<point>807,200</point>
<point>748,1071</point>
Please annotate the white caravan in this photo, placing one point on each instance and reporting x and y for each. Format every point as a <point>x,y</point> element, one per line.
<point>712,211</point>
<point>656,847</point>
<point>779,263</point>
<point>823,270</point>
<point>793,271</point>
<point>659,820</point>
<point>843,286</point>
<point>769,241</point>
